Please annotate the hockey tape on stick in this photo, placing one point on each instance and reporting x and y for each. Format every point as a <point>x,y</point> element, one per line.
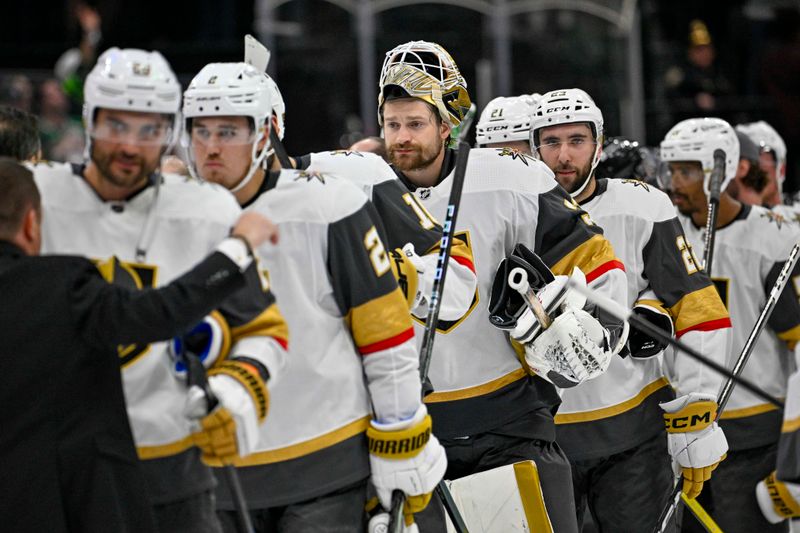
<point>434,304</point>
<point>717,175</point>
<point>518,280</point>
<point>280,150</point>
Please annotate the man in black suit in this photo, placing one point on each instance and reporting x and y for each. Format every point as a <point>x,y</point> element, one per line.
<point>67,459</point>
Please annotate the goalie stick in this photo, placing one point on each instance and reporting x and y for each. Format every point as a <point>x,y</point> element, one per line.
<point>434,304</point>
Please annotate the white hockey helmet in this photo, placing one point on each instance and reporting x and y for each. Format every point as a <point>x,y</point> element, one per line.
<point>768,140</point>
<point>696,139</point>
<point>568,106</point>
<point>131,80</point>
<point>506,119</point>
<point>230,89</point>
<point>425,70</point>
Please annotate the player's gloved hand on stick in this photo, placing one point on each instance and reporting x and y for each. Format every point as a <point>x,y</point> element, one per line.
<point>231,429</point>
<point>574,346</point>
<point>696,442</point>
<point>777,499</point>
<point>406,456</point>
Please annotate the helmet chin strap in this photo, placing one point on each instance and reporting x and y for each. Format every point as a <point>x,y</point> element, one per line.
<point>256,162</point>
<point>595,162</point>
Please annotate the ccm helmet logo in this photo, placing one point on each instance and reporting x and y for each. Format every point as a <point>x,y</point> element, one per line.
<point>557,108</point>
<point>497,128</point>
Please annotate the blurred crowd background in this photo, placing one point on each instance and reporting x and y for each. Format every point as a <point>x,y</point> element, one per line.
<point>647,63</point>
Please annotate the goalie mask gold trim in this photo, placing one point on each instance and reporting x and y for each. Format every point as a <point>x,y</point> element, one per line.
<point>426,71</point>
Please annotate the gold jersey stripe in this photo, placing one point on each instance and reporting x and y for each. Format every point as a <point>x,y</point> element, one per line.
<point>478,390</point>
<point>791,425</point>
<point>698,307</point>
<point>530,491</point>
<point>613,410</point>
<point>165,450</point>
<point>588,256</point>
<point>270,323</point>
<point>748,411</point>
<point>459,251</point>
<point>379,319</point>
<point>790,336</point>
<point>654,304</point>
<point>306,447</point>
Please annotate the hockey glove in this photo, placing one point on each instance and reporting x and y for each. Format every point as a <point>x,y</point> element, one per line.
<point>406,456</point>
<point>231,429</point>
<point>210,340</point>
<point>640,344</point>
<point>696,443</point>
<point>408,268</point>
<point>778,500</point>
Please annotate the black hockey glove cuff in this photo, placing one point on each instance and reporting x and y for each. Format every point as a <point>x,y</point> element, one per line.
<point>640,344</point>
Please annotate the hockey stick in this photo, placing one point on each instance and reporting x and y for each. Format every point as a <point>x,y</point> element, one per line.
<point>432,320</point>
<point>713,207</point>
<point>196,378</point>
<point>738,367</point>
<point>280,150</point>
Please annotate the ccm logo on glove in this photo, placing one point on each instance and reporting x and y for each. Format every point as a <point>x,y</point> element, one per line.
<point>399,444</point>
<point>694,417</point>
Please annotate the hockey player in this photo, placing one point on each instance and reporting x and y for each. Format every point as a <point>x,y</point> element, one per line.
<point>612,428</point>
<point>778,494</point>
<point>750,182</point>
<point>238,163</point>
<point>751,245</point>
<point>311,465</point>
<point>146,229</point>
<point>490,407</point>
<point>506,122</point>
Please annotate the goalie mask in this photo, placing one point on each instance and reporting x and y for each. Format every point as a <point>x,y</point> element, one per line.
<point>568,106</point>
<point>419,69</point>
<point>231,89</point>
<point>132,80</point>
<point>506,119</point>
<point>696,139</point>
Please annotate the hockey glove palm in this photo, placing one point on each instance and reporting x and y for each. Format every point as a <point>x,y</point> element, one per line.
<point>210,340</point>
<point>406,456</point>
<point>696,443</point>
<point>778,500</point>
<point>231,429</point>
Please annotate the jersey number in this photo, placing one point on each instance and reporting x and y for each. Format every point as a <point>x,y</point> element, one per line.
<point>426,220</point>
<point>687,254</point>
<point>377,253</point>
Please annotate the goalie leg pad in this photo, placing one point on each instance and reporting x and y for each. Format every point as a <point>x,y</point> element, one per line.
<point>507,498</point>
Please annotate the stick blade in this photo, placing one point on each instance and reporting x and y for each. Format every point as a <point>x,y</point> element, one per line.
<point>255,53</point>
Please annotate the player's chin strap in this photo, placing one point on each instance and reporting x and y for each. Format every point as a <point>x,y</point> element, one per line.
<point>595,162</point>
<point>256,158</point>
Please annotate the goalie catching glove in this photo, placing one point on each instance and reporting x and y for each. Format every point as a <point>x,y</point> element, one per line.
<point>778,500</point>
<point>696,443</point>
<point>574,347</point>
<point>210,340</point>
<point>406,456</point>
<point>231,428</point>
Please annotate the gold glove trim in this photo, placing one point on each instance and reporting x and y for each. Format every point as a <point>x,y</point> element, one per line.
<point>402,444</point>
<point>782,501</point>
<point>694,417</point>
<point>252,383</point>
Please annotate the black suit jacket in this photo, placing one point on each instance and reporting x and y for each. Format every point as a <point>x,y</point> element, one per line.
<point>67,458</point>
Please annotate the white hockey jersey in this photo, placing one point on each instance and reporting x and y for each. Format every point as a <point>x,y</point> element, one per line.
<point>508,198</point>
<point>619,409</point>
<point>352,354</point>
<point>154,237</point>
<point>748,255</point>
<point>404,220</point>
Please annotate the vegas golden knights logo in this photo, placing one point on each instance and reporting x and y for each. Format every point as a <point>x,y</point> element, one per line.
<point>132,276</point>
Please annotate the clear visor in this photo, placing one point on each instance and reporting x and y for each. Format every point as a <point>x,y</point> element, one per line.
<point>679,172</point>
<point>155,130</point>
<point>221,135</point>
